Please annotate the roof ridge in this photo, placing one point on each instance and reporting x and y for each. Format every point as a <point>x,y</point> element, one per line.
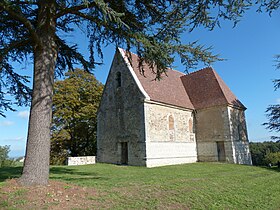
<point>169,91</point>
<point>183,74</point>
<point>168,68</point>
<point>204,68</point>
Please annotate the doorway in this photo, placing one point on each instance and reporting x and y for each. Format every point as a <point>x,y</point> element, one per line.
<point>124,153</point>
<point>221,151</point>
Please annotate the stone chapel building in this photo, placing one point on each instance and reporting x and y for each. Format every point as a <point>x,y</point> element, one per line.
<point>180,119</point>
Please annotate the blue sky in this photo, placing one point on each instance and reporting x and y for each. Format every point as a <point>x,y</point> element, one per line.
<point>248,70</point>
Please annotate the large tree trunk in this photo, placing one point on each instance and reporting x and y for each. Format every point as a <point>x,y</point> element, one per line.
<point>36,164</point>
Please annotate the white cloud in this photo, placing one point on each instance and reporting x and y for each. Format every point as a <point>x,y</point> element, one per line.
<point>23,114</point>
<point>278,100</point>
<point>14,139</point>
<point>20,138</point>
<point>7,123</point>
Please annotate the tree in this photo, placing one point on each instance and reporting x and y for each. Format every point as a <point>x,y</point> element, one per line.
<point>273,111</point>
<point>34,29</point>
<point>75,103</point>
<point>272,158</point>
<point>4,156</point>
<point>259,150</point>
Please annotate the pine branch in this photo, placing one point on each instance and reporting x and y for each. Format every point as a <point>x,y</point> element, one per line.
<point>101,5</point>
<point>68,55</point>
<point>70,10</point>
<point>24,2</point>
<point>17,15</point>
<point>13,45</point>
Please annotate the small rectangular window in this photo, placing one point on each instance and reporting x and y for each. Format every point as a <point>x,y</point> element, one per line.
<point>119,79</point>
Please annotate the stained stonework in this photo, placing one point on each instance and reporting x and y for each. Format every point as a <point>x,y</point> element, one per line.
<point>121,118</point>
<point>222,124</point>
<point>239,136</point>
<point>212,126</point>
<point>168,141</point>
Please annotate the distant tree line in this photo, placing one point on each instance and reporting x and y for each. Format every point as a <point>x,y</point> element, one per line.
<point>264,153</point>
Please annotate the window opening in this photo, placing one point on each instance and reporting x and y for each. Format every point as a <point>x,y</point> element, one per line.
<point>171,122</point>
<point>119,79</point>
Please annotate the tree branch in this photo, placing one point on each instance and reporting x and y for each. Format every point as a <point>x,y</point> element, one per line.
<point>13,45</point>
<point>70,10</point>
<point>71,55</point>
<point>19,17</point>
<point>24,2</point>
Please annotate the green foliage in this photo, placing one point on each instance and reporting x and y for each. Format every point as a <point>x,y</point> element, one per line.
<point>4,157</point>
<point>273,111</point>
<point>272,157</point>
<point>153,27</point>
<point>75,103</point>
<point>259,150</point>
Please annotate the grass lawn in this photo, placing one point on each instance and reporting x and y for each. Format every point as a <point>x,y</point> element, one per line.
<point>189,186</point>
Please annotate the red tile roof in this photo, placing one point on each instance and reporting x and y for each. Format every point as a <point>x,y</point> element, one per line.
<point>168,90</point>
<point>200,89</point>
<point>206,89</point>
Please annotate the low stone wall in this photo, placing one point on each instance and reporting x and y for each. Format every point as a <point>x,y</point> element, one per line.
<point>84,160</point>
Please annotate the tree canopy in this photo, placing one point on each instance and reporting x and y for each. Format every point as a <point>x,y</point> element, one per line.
<point>36,30</point>
<point>263,152</point>
<point>75,103</point>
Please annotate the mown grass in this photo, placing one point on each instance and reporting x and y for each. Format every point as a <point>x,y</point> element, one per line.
<point>189,186</point>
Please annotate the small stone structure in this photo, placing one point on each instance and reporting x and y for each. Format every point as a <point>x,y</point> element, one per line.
<point>84,160</point>
<point>179,119</point>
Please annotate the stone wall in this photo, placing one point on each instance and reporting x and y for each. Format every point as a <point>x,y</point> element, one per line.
<point>242,152</point>
<point>239,136</point>
<point>169,135</point>
<point>238,124</point>
<point>222,124</point>
<point>121,117</point>
<point>75,161</point>
<point>212,126</point>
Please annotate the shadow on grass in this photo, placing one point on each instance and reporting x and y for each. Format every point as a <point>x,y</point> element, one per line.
<point>62,173</point>
<point>72,171</point>
<point>275,168</point>
<point>71,174</point>
<point>10,172</point>
<point>80,179</point>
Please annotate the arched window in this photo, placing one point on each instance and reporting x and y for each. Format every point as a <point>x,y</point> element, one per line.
<point>171,122</point>
<point>119,79</point>
<point>191,125</point>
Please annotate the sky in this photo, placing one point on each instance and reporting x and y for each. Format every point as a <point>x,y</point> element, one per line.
<point>248,70</point>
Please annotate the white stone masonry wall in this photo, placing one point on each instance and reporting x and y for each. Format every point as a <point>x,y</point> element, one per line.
<point>84,160</point>
<point>169,136</point>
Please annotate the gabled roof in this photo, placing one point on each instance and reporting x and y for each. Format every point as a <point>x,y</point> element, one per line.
<point>168,90</point>
<point>198,90</point>
<point>206,89</point>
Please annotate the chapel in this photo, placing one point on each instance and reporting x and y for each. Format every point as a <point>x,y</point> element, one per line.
<point>183,118</point>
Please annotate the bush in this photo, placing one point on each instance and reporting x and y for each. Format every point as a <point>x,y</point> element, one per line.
<point>4,158</point>
<point>272,157</point>
<point>58,158</point>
